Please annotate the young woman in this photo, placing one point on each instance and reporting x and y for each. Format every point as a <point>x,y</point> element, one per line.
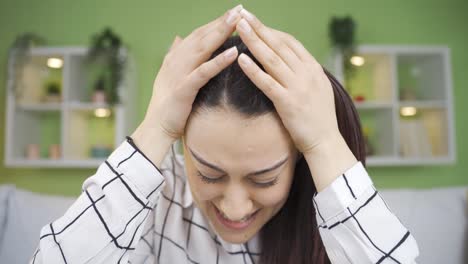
<point>272,172</point>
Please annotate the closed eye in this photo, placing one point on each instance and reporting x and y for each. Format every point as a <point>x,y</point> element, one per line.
<point>207,179</point>
<point>255,173</point>
<point>266,184</point>
<point>213,180</point>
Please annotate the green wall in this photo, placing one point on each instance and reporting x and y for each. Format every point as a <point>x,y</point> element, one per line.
<point>148,27</point>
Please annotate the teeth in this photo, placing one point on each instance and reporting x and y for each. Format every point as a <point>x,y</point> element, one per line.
<point>246,218</point>
<point>242,220</point>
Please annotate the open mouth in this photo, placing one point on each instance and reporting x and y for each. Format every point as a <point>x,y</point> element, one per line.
<point>236,225</point>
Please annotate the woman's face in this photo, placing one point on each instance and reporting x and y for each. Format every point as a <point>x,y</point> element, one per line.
<point>239,170</point>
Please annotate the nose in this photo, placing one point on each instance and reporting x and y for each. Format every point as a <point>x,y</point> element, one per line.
<point>236,203</point>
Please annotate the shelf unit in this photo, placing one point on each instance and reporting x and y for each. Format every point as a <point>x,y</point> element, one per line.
<point>405,101</point>
<point>69,122</point>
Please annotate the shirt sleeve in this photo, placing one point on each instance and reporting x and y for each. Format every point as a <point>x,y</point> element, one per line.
<point>107,221</point>
<point>357,226</point>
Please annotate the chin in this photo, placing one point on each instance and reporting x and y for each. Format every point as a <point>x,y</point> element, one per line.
<point>235,238</point>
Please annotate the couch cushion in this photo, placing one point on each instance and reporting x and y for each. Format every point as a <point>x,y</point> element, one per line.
<point>436,218</point>
<point>27,214</point>
<point>5,191</point>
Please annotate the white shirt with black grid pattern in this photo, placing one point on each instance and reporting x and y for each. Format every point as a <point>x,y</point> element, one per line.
<point>130,211</point>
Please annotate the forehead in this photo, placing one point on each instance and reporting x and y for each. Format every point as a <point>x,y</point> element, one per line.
<point>228,138</point>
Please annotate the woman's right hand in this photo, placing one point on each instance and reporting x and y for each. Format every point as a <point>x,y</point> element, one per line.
<point>184,71</point>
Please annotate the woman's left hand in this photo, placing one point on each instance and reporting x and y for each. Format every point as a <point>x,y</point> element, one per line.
<point>294,81</point>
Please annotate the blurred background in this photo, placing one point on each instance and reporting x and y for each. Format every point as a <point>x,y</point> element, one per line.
<point>77,78</point>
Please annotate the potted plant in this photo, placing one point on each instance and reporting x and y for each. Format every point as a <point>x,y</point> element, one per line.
<point>107,49</point>
<point>52,92</point>
<point>341,33</point>
<point>99,93</point>
<point>18,56</point>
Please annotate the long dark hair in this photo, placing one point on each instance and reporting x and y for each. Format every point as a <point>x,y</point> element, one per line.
<point>292,235</point>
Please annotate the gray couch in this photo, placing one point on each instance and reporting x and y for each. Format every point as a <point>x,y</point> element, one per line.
<point>436,218</point>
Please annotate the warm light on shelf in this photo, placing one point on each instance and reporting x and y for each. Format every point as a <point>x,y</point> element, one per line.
<point>55,63</point>
<point>357,60</point>
<point>408,111</point>
<point>102,112</point>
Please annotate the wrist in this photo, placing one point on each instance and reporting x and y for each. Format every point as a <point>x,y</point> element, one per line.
<point>328,160</point>
<point>153,142</point>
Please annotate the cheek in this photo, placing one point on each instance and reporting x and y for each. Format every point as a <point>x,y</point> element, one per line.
<point>275,195</point>
<point>271,197</point>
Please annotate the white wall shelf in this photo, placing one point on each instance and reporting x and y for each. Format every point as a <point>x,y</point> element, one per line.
<point>404,97</point>
<point>71,123</point>
<point>373,105</point>
<point>40,106</point>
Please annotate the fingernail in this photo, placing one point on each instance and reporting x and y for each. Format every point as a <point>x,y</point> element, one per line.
<point>244,60</point>
<point>244,26</point>
<point>233,15</point>
<point>238,8</point>
<point>230,53</point>
<point>247,14</point>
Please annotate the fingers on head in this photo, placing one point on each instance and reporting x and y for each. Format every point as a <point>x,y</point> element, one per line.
<point>209,69</point>
<point>297,47</point>
<point>217,24</point>
<point>267,84</point>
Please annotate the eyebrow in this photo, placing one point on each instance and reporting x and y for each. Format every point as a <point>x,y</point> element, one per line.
<point>214,167</point>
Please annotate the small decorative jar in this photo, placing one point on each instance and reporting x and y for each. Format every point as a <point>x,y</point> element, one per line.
<point>33,151</point>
